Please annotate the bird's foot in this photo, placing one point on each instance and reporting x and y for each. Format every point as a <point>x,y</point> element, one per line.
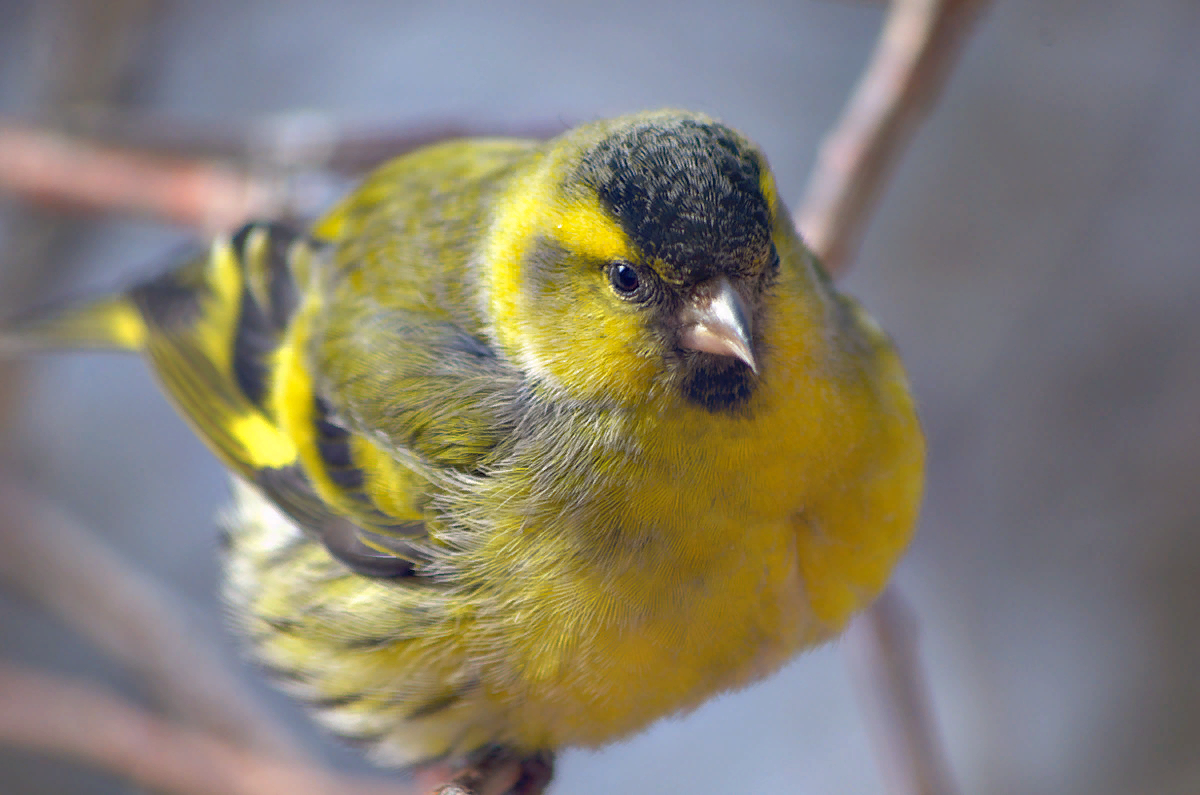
<point>499,772</point>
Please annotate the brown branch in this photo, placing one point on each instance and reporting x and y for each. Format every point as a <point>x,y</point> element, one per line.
<point>916,51</point>
<point>67,173</point>
<point>73,575</point>
<point>292,140</point>
<point>49,714</point>
<point>883,653</point>
<point>292,173</point>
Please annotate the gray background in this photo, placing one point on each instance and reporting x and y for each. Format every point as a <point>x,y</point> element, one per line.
<point>1035,257</point>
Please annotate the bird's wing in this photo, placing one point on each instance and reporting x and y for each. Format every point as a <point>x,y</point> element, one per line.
<point>222,334</point>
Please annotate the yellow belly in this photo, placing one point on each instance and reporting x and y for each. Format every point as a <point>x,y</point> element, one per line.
<point>596,667</point>
<point>573,663</point>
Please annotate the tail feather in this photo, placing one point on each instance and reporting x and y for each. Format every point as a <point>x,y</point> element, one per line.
<point>109,323</point>
<point>212,329</point>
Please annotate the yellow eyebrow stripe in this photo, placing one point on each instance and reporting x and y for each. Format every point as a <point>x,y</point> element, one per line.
<point>592,232</point>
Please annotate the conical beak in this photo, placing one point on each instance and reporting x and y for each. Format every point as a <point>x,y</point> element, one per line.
<point>716,321</point>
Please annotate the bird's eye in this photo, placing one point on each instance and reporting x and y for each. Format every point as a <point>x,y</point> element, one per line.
<point>625,279</point>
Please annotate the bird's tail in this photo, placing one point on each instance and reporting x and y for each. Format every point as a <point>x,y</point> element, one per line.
<point>110,322</point>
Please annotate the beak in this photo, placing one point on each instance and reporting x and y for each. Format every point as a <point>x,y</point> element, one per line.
<point>716,321</point>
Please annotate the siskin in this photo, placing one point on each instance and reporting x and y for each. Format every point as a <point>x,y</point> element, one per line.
<point>533,443</point>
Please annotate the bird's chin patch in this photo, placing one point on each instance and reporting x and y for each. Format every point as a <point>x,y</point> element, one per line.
<point>718,383</point>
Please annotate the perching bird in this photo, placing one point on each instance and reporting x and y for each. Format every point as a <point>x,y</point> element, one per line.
<point>534,443</point>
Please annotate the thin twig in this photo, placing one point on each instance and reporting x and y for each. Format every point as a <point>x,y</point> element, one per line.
<point>54,715</point>
<point>882,648</point>
<point>295,140</point>
<point>296,163</point>
<point>916,51</point>
<point>68,173</point>
<point>75,576</point>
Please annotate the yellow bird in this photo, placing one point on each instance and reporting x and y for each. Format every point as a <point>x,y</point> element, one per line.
<point>534,443</point>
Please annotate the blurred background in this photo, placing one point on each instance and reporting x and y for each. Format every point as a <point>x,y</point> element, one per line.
<point>1035,255</point>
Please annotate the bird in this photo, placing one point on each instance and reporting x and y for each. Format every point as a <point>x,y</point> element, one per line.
<point>532,442</point>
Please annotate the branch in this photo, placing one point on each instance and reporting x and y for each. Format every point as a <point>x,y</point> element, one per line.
<point>916,51</point>
<point>58,716</point>
<point>306,140</point>
<point>73,575</point>
<point>66,173</point>
<point>884,660</point>
<point>296,163</point>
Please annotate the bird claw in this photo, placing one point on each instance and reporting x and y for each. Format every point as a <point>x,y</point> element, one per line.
<point>500,773</point>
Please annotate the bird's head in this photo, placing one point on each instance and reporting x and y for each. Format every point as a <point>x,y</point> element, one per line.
<point>637,257</point>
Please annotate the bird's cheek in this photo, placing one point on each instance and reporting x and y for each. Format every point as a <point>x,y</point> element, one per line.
<point>599,356</point>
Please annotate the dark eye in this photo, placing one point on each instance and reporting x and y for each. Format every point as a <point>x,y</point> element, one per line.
<point>625,279</point>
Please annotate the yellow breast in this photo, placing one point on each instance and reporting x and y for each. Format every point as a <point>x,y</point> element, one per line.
<point>754,537</point>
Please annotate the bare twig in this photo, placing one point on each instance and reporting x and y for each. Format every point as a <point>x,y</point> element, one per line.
<point>60,171</point>
<point>69,571</point>
<point>54,715</point>
<point>917,49</point>
<point>882,647</point>
<point>293,172</point>
<point>305,140</point>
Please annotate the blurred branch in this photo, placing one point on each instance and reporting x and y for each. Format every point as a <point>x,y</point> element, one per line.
<point>51,714</point>
<point>917,49</point>
<point>60,171</point>
<point>890,680</point>
<point>294,160</point>
<point>236,747</point>
<point>296,140</point>
<point>70,572</point>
